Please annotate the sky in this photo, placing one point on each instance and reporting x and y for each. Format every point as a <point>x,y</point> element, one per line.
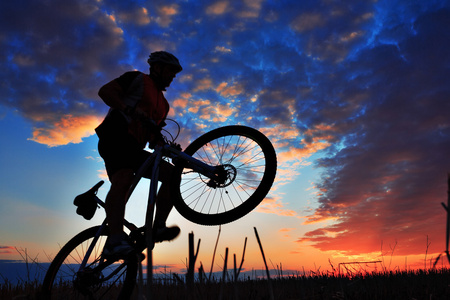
<point>354,95</point>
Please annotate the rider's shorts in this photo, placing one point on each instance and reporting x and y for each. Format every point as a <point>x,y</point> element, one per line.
<point>120,150</point>
<point>123,152</point>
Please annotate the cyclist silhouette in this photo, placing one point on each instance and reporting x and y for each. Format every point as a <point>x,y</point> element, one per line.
<point>135,98</point>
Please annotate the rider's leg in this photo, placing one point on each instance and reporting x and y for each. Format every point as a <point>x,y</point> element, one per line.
<point>163,201</point>
<point>164,205</point>
<point>117,243</point>
<point>116,200</point>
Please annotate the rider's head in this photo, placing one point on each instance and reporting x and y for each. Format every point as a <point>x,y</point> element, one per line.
<point>163,68</point>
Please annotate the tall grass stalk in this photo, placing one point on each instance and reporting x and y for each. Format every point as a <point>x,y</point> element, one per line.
<point>265,264</point>
<point>238,271</point>
<point>214,253</point>
<point>447,233</point>
<point>192,258</point>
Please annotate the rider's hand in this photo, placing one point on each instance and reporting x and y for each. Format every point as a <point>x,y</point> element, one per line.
<point>156,138</point>
<point>176,146</point>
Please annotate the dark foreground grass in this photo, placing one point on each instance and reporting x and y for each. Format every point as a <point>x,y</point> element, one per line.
<point>430,285</point>
<point>397,285</point>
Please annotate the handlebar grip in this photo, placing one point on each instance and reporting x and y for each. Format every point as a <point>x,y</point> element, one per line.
<point>152,125</point>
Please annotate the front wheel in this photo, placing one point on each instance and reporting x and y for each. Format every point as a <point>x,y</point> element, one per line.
<point>100,279</point>
<point>248,161</point>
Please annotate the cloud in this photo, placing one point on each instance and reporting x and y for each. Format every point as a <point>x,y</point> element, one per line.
<point>217,114</point>
<point>386,178</point>
<point>273,205</point>
<point>251,9</point>
<point>308,21</point>
<point>229,90</point>
<point>223,49</point>
<point>102,174</point>
<point>54,68</point>
<point>217,8</point>
<point>138,16</point>
<point>203,84</point>
<point>69,129</point>
<point>166,14</point>
<point>7,250</point>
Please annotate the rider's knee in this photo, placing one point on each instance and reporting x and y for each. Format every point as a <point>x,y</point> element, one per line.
<point>122,179</point>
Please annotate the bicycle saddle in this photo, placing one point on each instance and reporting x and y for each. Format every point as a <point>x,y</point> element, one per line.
<point>87,202</point>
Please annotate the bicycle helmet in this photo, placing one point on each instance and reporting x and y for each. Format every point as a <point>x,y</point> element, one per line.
<point>165,58</point>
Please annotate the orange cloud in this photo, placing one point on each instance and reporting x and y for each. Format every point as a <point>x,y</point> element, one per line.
<point>288,153</point>
<point>180,103</point>
<point>286,229</point>
<point>218,8</point>
<point>69,129</point>
<point>285,175</point>
<point>193,110</point>
<point>226,90</point>
<point>165,14</point>
<point>222,49</point>
<point>319,127</point>
<point>195,105</point>
<point>308,21</point>
<point>23,60</point>
<point>138,16</point>
<point>286,232</point>
<point>301,153</point>
<point>291,158</point>
<point>201,102</point>
<point>351,36</point>
<point>102,174</point>
<point>217,113</point>
<point>273,205</point>
<point>203,84</point>
<point>253,8</point>
<point>318,218</point>
<point>7,250</point>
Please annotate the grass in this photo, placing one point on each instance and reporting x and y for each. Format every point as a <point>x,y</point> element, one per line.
<point>348,283</point>
<point>430,284</point>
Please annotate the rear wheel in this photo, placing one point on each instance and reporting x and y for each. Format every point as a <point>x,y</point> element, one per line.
<point>246,159</point>
<point>100,279</point>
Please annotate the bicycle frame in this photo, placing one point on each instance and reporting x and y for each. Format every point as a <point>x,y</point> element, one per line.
<point>195,164</point>
<point>153,161</point>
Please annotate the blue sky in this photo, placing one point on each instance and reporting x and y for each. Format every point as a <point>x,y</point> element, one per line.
<point>354,95</point>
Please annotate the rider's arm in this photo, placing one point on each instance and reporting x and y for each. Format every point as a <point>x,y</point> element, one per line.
<point>112,94</point>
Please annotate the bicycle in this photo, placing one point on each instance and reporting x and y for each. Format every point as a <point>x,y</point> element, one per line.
<point>220,177</point>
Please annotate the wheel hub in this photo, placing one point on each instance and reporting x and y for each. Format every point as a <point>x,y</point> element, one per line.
<point>226,174</point>
<point>85,280</point>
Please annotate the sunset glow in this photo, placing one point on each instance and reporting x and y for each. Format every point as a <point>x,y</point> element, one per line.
<point>354,96</point>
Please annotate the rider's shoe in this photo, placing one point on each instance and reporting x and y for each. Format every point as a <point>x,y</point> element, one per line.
<point>161,234</point>
<point>118,247</point>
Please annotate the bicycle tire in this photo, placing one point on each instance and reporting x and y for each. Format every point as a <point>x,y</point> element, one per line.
<point>62,281</point>
<point>247,155</point>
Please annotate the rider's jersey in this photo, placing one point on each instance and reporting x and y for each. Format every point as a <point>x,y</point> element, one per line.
<point>140,92</point>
